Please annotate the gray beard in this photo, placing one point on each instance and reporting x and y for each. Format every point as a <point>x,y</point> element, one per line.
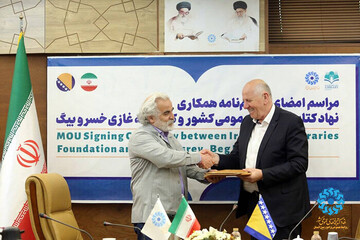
<point>184,20</point>
<point>240,19</point>
<point>164,126</point>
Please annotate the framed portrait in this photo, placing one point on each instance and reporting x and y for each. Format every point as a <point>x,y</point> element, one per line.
<point>214,26</point>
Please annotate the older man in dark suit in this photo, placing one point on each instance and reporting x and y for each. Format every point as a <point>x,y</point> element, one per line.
<point>272,146</point>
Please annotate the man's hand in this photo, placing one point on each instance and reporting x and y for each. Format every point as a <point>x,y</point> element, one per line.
<point>255,175</point>
<point>206,161</point>
<point>243,37</point>
<point>180,36</point>
<point>215,158</point>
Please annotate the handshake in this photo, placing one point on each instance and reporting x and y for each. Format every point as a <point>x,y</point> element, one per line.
<point>208,159</point>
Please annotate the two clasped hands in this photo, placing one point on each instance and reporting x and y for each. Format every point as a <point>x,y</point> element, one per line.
<point>209,159</point>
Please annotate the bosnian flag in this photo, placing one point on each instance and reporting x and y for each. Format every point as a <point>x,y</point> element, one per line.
<point>23,152</point>
<point>260,225</point>
<point>185,222</point>
<point>158,223</point>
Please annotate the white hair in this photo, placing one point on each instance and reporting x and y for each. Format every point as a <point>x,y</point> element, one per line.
<point>262,86</point>
<point>149,107</point>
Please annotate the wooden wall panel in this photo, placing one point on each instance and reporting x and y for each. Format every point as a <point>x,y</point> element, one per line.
<point>109,26</point>
<point>280,48</point>
<point>87,26</point>
<point>33,24</point>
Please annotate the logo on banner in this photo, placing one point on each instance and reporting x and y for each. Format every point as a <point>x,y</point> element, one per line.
<point>28,153</point>
<point>159,219</point>
<point>211,38</point>
<point>65,82</point>
<point>331,201</point>
<point>331,77</point>
<point>312,78</point>
<point>89,82</point>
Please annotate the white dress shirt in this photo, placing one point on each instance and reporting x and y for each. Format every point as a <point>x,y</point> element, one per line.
<point>253,147</point>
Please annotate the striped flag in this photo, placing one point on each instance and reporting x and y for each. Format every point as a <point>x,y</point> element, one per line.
<point>185,222</point>
<point>89,82</point>
<point>23,152</point>
<point>260,224</point>
<point>158,223</point>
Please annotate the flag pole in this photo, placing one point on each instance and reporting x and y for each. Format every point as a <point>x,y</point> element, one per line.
<point>21,17</point>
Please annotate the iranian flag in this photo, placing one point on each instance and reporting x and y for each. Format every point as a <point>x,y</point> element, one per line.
<point>23,152</point>
<point>185,222</point>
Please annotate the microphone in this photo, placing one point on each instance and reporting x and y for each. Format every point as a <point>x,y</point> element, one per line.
<point>292,230</point>
<point>235,206</point>
<point>121,225</point>
<point>43,215</point>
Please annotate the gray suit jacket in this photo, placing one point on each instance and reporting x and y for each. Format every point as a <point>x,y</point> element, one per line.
<point>156,167</point>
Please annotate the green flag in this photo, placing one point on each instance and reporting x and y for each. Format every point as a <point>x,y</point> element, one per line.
<point>23,152</point>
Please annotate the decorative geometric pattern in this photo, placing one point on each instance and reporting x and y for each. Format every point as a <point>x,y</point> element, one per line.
<point>312,78</point>
<point>33,24</point>
<point>18,122</point>
<point>81,26</point>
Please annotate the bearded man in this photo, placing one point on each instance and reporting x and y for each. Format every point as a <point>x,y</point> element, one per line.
<point>182,25</point>
<point>159,165</point>
<point>242,27</point>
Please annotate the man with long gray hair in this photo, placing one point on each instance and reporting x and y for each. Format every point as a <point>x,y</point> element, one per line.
<point>159,165</point>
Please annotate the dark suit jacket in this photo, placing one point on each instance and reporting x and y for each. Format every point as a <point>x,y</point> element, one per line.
<point>283,158</point>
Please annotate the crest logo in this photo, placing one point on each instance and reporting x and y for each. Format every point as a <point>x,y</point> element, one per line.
<point>28,153</point>
<point>158,219</point>
<point>211,38</point>
<point>188,218</point>
<point>312,78</point>
<point>331,201</point>
<point>331,77</point>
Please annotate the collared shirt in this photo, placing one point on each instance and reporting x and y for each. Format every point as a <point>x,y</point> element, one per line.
<point>254,144</point>
<point>162,133</point>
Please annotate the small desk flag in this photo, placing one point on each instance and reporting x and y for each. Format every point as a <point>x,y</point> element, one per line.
<point>260,224</point>
<point>158,223</point>
<point>185,222</point>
